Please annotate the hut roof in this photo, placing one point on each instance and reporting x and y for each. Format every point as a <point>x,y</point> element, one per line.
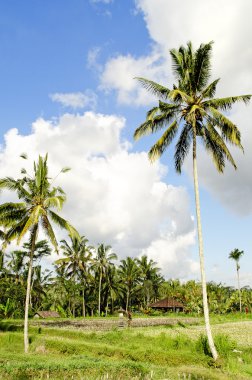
<point>48,314</point>
<point>167,303</point>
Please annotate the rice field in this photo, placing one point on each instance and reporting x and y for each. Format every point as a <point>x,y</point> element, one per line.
<point>176,351</point>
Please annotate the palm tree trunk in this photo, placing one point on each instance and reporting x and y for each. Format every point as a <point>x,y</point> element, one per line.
<point>201,253</point>
<point>83,303</point>
<point>127,300</point>
<point>28,290</point>
<point>239,288</point>
<point>99,295</point>
<point>106,313</point>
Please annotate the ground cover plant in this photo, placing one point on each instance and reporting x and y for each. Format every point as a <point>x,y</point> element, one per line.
<point>161,352</point>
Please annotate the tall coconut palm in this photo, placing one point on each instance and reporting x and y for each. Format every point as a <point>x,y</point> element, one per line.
<point>102,263</point>
<point>77,258</point>
<point>190,106</point>
<point>236,255</point>
<point>38,199</point>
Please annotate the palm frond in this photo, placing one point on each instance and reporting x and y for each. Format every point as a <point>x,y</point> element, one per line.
<point>155,124</point>
<point>163,142</point>
<point>229,130</point>
<point>155,88</point>
<point>216,146</point>
<point>15,230</point>
<point>202,67</point>
<point>210,90</point>
<point>64,224</point>
<point>24,156</point>
<point>32,220</point>
<point>46,225</point>
<point>182,147</point>
<point>225,104</point>
<point>180,96</point>
<point>56,201</point>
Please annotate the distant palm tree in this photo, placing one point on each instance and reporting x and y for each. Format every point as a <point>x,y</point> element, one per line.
<point>149,272</point>
<point>35,211</point>
<point>236,255</point>
<point>101,264</point>
<point>77,258</point>
<point>190,105</point>
<point>129,274</point>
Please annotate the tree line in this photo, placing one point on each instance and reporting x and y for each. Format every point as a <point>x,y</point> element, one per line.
<point>90,281</point>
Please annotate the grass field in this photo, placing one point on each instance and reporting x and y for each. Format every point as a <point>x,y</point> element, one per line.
<point>156,352</point>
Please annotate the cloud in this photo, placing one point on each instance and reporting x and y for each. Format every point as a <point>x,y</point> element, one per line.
<point>92,59</point>
<point>170,26</point>
<point>76,100</point>
<point>119,73</point>
<point>234,187</point>
<point>114,196</point>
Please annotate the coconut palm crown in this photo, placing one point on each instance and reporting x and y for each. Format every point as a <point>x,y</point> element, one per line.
<point>191,106</point>
<point>38,198</point>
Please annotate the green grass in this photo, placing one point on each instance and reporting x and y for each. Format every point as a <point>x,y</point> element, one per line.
<point>180,352</point>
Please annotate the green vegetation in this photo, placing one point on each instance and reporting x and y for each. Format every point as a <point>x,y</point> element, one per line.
<point>136,353</point>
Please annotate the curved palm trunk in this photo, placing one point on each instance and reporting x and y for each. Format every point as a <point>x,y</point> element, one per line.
<point>201,254</point>
<point>28,291</point>
<point>239,288</point>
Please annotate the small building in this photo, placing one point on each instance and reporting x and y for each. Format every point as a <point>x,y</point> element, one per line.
<point>168,304</point>
<point>47,314</point>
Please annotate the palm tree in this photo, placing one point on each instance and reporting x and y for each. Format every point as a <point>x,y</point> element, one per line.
<point>102,263</point>
<point>190,106</point>
<point>35,211</point>
<point>129,274</point>
<point>78,256</point>
<point>149,272</point>
<point>236,255</point>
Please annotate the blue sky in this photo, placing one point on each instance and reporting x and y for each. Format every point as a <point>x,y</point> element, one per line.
<point>67,68</point>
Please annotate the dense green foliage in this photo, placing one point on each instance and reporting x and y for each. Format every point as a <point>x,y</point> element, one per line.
<point>74,285</point>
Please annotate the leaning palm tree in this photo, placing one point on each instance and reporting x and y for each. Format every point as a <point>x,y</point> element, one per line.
<point>190,106</point>
<point>37,199</point>
<point>236,255</point>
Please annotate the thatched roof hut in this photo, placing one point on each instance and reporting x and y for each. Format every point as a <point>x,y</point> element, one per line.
<point>168,304</point>
<point>47,314</point>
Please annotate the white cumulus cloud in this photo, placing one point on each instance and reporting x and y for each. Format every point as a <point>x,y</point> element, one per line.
<point>114,195</point>
<point>119,75</point>
<point>169,26</point>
